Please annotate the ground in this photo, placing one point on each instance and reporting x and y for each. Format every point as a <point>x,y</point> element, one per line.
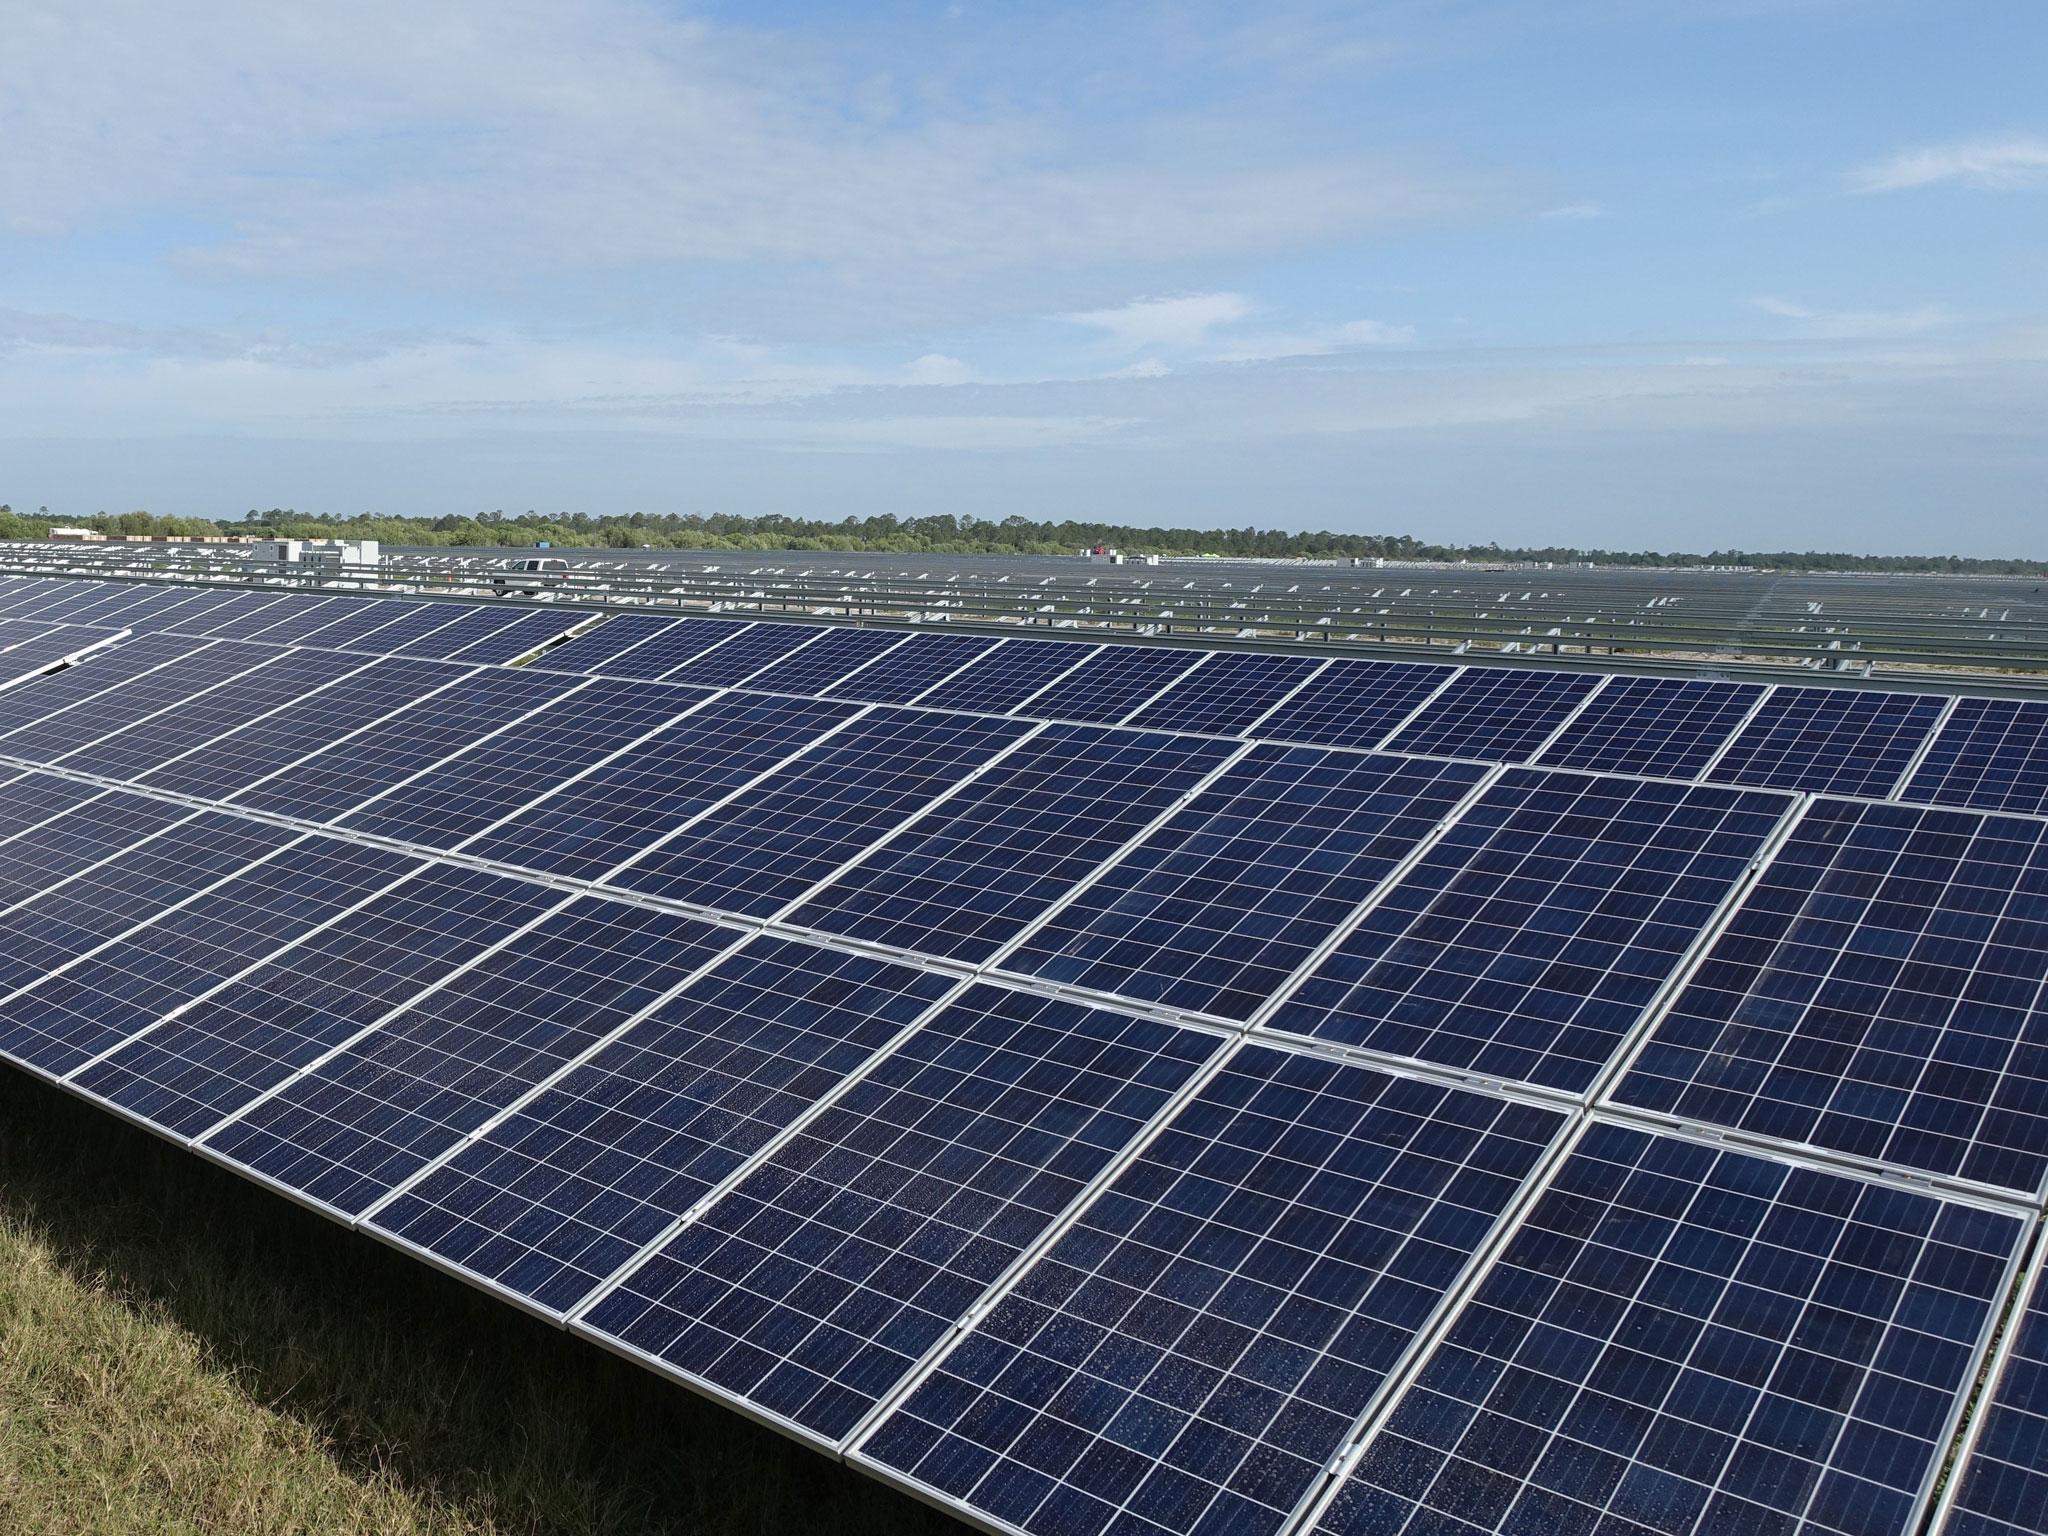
<point>181,1352</point>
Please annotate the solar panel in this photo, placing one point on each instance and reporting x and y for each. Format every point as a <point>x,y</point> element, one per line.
<point>490,780</point>
<point>556,1197</point>
<point>336,778</point>
<point>634,801</point>
<point>29,799</point>
<point>743,655</point>
<point>220,1054</point>
<point>53,849</point>
<point>1681,1339</point>
<point>470,627</point>
<point>826,660</point>
<point>812,1286</point>
<point>1526,944</point>
<point>1232,689</point>
<point>1007,675</point>
<point>1990,755</point>
<point>411,627</point>
<point>1216,910</point>
<point>344,627</point>
<point>287,621</point>
<point>526,632</point>
<point>761,850</point>
<point>2001,1489</point>
<point>1193,1349</point>
<point>51,715</point>
<point>1830,740</point>
<point>358,1124</point>
<point>676,643</point>
<point>27,657</point>
<point>912,668</point>
<point>1112,683</point>
<point>64,1020</point>
<point>1352,703</point>
<point>592,650</point>
<point>1878,994</point>
<point>1494,714</point>
<point>967,878</point>
<point>1664,726</point>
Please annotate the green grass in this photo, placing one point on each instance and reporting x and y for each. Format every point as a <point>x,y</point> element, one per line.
<point>181,1352</point>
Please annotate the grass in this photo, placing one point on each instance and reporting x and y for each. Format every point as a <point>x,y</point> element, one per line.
<point>181,1352</point>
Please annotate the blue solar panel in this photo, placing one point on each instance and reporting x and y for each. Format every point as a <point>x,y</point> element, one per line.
<point>356,1126</point>
<point>1233,689</point>
<point>287,621</point>
<point>653,655</point>
<point>50,716</point>
<point>1689,1341</point>
<point>968,877</point>
<point>1990,755</point>
<point>493,778</point>
<point>345,626</point>
<point>1830,740</point>
<point>27,656</point>
<point>2002,1487</point>
<point>1007,675</point>
<point>37,857</point>
<point>1351,703</point>
<point>28,799</point>
<point>65,1020</point>
<point>591,650</point>
<point>763,849</point>
<point>914,667</point>
<point>1494,713</point>
<point>816,1283</point>
<point>1193,1350</point>
<point>223,1052</point>
<point>1527,943</point>
<point>528,632</point>
<point>412,627</point>
<point>1110,684</point>
<point>242,756</point>
<point>337,778</point>
<point>133,750</point>
<point>1216,910</point>
<point>638,798</point>
<point>825,661</point>
<point>1664,726</point>
<point>745,654</point>
<point>555,1198</point>
<point>1879,994</point>
<point>469,627</point>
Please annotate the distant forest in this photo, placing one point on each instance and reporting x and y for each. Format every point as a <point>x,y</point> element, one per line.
<point>947,534</point>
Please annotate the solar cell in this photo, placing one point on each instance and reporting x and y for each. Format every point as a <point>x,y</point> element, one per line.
<point>1830,740</point>
<point>64,1020</point>
<point>123,682</point>
<point>813,1285</point>
<point>29,799</point>
<point>1232,689</point>
<point>1494,713</point>
<point>1990,755</point>
<point>244,754</point>
<point>1877,994</point>
<point>1680,1340</point>
<point>2001,1489</point>
<point>528,632</point>
<point>1526,943</point>
<point>1352,703</point>
<point>826,660</point>
<point>639,797</point>
<point>919,664</point>
<point>1665,726</point>
<point>411,627</point>
<point>742,656</point>
<point>765,847</point>
<point>1216,910</point>
<point>1007,675</point>
<point>1193,1349</point>
<point>676,644</point>
<point>469,627</point>
<point>557,1196</point>
<point>286,621</point>
<point>591,650</point>
<point>343,627</point>
<point>968,877</point>
<point>488,781</point>
<point>220,1054</point>
<point>27,657</point>
<point>338,777</point>
<point>1112,683</point>
<point>358,1124</point>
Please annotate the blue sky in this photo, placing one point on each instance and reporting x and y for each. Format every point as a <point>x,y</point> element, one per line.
<point>1688,274</point>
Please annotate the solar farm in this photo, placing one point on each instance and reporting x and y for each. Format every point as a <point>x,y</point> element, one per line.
<point>1104,1083</point>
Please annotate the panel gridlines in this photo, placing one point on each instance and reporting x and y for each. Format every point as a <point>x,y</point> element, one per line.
<point>744,654</point>
<point>825,661</point>
<point>913,668</point>
<point>1494,713</point>
<point>1830,740</point>
<point>2002,1486</point>
<point>678,642</point>
<point>1990,755</point>
<point>1526,944</point>
<point>593,650</point>
<point>1352,703</point>
<point>1216,910</point>
<point>1110,684</point>
<point>1661,726</point>
<point>554,1199</point>
<point>1682,1340</point>
<point>1233,689</point>
<point>1006,676</point>
<point>1878,994</point>
<point>815,1284</point>
<point>1194,1348</point>
<point>83,711</point>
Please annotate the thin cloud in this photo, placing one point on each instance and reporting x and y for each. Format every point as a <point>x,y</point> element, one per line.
<point>1573,212</point>
<point>2006,163</point>
<point>1177,322</point>
<point>1855,324</point>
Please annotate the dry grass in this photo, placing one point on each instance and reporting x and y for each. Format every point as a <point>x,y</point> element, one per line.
<point>182,1353</point>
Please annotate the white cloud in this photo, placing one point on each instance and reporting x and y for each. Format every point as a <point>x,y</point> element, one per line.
<point>1851,324</point>
<point>1350,336</point>
<point>1177,322</point>
<point>1144,368</point>
<point>2005,163</point>
<point>1574,212</point>
<point>937,368</point>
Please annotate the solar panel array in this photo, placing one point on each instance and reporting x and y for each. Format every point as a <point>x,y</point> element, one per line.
<point>1097,1088</point>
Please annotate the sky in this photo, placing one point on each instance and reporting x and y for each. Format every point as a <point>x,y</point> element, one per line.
<point>1688,274</point>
